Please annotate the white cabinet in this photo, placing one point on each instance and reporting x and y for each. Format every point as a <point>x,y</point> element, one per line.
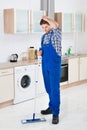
<point>79,22</point>
<point>35,20</point>
<point>23,21</point>
<point>16,20</point>
<point>67,22</point>
<point>6,85</point>
<point>1,22</point>
<point>70,22</point>
<point>83,68</point>
<point>40,88</point>
<point>64,20</point>
<point>73,71</point>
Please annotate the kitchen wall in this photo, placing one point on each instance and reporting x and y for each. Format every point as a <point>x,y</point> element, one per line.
<point>16,43</point>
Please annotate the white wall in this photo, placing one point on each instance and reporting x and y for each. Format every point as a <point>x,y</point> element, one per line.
<point>17,43</point>
<point>78,41</point>
<point>28,4</point>
<point>71,5</point>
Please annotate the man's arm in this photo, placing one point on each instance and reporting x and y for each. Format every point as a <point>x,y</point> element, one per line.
<point>52,23</point>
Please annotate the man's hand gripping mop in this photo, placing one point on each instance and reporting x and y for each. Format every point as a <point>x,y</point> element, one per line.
<point>33,120</point>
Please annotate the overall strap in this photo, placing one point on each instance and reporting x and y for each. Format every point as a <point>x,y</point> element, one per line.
<point>44,36</point>
<point>51,36</point>
<point>42,39</point>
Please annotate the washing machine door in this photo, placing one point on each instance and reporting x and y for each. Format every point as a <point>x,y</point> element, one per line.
<point>25,81</point>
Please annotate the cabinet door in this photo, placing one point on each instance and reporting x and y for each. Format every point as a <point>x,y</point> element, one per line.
<point>1,22</point>
<point>9,20</point>
<point>83,68</point>
<point>64,20</point>
<point>67,22</point>
<point>78,22</point>
<point>35,20</point>
<point>16,21</point>
<point>6,85</point>
<point>70,22</point>
<point>73,70</point>
<point>22,20</point>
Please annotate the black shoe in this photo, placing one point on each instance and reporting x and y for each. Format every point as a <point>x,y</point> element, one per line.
<point>55,119</point>
<point>46,112</point>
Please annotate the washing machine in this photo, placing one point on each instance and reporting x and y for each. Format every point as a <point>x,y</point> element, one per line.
<point>24,83</point>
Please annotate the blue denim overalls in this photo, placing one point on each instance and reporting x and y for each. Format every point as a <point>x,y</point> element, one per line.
<point>51,64</point>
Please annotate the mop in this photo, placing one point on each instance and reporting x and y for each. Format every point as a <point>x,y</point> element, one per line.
<point>34,119</point>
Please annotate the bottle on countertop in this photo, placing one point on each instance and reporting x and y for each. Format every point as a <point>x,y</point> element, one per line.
<point>31,53</point>
<point>24,55</point>
<point>69,51</point>
<point>36,54</point>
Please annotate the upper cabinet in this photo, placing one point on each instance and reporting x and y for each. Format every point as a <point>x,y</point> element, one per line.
<point>70,22</point>
<point>79,22</point>
<point>35,20</point>
<point>16,20</point>
<point>22,21</point>
<point>64,20</point>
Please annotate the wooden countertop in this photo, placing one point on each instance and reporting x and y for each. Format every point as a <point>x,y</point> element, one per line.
<point>6,65</point>
<point>73,56</point>
<point>18,63</point>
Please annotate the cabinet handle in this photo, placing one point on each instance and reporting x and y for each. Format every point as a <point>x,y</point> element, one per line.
<point>64,66</point>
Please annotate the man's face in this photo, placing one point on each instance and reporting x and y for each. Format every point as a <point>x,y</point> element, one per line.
<point>46,28</point>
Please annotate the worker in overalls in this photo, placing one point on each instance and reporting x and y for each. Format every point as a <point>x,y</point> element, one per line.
<point>51,64</point>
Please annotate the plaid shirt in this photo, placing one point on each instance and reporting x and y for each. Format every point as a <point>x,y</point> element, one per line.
<point>55,39</point>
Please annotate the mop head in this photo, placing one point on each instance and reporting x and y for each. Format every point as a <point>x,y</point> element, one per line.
<point>25,121</point>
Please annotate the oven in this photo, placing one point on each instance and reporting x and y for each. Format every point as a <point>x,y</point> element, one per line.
<point>64,71</point>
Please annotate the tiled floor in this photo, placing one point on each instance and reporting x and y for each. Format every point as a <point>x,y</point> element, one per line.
<point>73,114</point>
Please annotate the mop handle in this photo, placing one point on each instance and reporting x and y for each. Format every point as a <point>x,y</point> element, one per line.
<point>36,81</point>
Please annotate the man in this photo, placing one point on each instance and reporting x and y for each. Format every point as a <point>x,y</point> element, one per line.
<point>51,62</point>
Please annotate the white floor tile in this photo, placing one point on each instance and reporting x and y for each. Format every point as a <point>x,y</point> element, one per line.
<point>73,112</point>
